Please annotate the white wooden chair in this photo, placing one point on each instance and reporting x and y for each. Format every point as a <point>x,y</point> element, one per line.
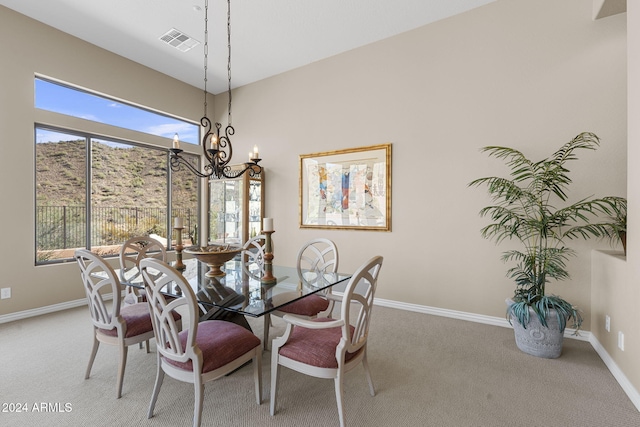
<point>116,325</point>
<point>252,256</point>
<point>316,257</point>
<point>131,253</point>
<point>328,348</point>
<point>203,351</point>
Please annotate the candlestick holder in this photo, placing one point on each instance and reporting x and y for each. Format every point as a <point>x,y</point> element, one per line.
<point>179,265</point>
<point>267,277</point>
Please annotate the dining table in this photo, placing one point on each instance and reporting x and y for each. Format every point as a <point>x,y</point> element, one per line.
<point>241,292</point>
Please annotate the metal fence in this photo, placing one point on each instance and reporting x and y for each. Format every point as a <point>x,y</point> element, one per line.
<point>63,227</point>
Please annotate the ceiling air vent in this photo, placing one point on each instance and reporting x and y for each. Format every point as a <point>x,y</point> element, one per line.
<point>179,40</point>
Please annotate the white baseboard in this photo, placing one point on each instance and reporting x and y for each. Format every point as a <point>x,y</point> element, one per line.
<point>471,317</point>
<point>478,318</point>
<point>628,388</point>
<point>19,315</point>
<point>624,382</point>
<point>5,318</point>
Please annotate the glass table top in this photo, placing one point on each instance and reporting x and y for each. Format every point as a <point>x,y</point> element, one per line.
<point>243,292</point>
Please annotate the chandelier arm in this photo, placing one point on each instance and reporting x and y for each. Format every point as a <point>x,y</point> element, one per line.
<point>217,171</point>
<point>206,123</point>
<point>253,168</point>
<point>176,161</point>
<point>224,145</point>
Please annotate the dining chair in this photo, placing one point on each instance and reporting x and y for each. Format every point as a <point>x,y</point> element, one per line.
<point>317,256</point>
<point>131,252</point>
<point>120,325</point>
<point>326,347</point>
<point>203,351</point>
<point>252,256</point>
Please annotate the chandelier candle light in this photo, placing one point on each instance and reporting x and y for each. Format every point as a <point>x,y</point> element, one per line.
<point>216,148</point>
<point>267,230</point>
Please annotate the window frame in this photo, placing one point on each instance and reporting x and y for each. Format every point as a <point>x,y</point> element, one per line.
<point>89,130</point>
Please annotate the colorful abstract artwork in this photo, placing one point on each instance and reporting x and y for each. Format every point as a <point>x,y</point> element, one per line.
<point>347,189</point>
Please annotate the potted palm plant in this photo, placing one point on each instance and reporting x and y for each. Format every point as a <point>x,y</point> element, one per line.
<point>527,208</point>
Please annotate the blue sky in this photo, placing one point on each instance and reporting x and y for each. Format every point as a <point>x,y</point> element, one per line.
<point>64,100</point>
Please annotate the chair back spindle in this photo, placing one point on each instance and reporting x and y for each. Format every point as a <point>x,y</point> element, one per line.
<point>99,279</point>
<point>252,256</point>
<point>136,249</point>
<point>317,256</point>
<point>158,276</point>
<point>357,304</point>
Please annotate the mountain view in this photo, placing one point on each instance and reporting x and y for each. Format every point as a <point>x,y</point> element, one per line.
<point>128,195</point>
<point>122,177</point>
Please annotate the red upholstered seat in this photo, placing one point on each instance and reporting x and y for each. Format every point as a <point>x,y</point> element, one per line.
<point>316,347</point>
<point>307,306</point>
<point>220,342</point>
<point>136,316</point>
<point>137,319</point>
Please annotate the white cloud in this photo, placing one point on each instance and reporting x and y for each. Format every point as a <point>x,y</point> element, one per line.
<point>186,132</point>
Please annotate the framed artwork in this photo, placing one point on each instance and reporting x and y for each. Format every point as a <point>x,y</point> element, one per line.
<point>347,189</point>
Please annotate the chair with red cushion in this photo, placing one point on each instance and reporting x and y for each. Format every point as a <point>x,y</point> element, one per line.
<point>328,348</point>
<point>315,257</point>
<point>120,325</point>
<point>131,252</point>
<point>203,351</point>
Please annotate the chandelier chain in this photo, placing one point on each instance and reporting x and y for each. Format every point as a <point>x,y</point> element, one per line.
<point>229,56</point>
<point>216,147</point>
<point>206,51</point>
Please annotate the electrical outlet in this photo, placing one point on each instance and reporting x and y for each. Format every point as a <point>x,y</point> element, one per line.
<point>5,293</point>
<point>607,323</point>
<point>621,340</point>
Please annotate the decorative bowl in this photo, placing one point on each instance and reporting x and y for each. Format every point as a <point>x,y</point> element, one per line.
<point>214,256</point>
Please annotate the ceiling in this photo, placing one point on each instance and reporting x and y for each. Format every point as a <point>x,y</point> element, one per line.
<point>268,37</point>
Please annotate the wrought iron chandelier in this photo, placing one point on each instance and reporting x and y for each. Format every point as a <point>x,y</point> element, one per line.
<point>217,148</point>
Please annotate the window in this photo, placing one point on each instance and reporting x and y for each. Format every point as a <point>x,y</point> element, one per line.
<point>61,221</point>
<point>96,192</point>
<point>74,102</point>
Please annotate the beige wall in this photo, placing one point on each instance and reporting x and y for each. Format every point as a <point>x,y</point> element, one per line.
<point>525,74</point>
<point>616,292</point>
<point>628,320</point>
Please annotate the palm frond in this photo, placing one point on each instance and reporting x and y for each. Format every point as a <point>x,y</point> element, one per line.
<point>584,140</point>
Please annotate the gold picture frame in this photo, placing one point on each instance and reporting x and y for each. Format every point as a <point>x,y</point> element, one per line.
<point>346,189</point>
